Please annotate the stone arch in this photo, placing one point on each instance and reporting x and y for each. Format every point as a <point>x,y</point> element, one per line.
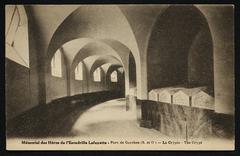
<point>94,48</point>
<point>120,85</point>
<point>103,60</point>
<point>180,39</point>
<point>221,24</point>
<point>112,68</point>
<point>91,63</point>
<point>106,66</point>
<point>112,21</point>
<point>98,63</point>
<point>81,21</point>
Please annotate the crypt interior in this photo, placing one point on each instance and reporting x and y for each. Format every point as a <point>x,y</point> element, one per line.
<point>95,70</point>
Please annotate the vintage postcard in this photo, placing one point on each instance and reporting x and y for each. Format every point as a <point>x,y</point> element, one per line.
<point>120,77</point>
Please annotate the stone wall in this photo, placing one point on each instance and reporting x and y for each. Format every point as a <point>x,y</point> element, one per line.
<point>181,121</point>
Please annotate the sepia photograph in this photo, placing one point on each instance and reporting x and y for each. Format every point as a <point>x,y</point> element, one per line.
<point>120,77</point>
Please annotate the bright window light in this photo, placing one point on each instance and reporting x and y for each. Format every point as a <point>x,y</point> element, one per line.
<point>97,75</point>
<point>79,71</point>
<point>56,64</point>
<point>16,34</point>
<point>114,76</point>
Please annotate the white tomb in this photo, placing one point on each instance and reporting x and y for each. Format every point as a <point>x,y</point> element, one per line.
<point>165,94</point>
<point>183,96</point>
<point>203,100</point>
<point>152,95</point>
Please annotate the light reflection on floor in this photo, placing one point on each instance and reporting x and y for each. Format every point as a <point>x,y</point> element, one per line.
<point>111,119</point>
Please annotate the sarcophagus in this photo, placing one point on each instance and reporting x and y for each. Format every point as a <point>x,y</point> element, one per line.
<point>152,95</point>
<point>203,100</point>
<point>164,96</point>
<point>181,98</point>
<point>184,96</point>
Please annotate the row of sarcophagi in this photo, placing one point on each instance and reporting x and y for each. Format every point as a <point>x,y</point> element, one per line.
<point>192,97</point>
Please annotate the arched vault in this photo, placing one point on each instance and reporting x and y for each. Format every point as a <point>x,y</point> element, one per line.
<point>96,22</point>
<point>103,60</point>
<point>105,24</point>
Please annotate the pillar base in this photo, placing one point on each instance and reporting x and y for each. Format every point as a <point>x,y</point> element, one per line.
<point>131,103</point>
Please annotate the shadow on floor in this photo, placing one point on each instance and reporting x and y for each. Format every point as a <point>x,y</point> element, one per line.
<point>43,120</point>
<point>223,126</point>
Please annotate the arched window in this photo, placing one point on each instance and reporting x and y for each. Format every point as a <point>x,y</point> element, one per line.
<point>16,34</point>
<point>79,71</point>
<point>114,76</point>
<point>56,64</point>
<point>97,75</point>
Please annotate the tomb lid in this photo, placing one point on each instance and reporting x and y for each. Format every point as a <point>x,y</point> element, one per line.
<point>191,91</point>
<point>203,93</point>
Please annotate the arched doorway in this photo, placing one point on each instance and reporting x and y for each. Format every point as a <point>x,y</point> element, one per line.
<point>119,84</point>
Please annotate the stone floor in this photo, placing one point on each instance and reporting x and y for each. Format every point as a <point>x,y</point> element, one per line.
<point>104,120</point>
<point>111,119</point>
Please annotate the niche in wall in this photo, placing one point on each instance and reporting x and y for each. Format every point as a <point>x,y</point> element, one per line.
<point>180,49</point>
